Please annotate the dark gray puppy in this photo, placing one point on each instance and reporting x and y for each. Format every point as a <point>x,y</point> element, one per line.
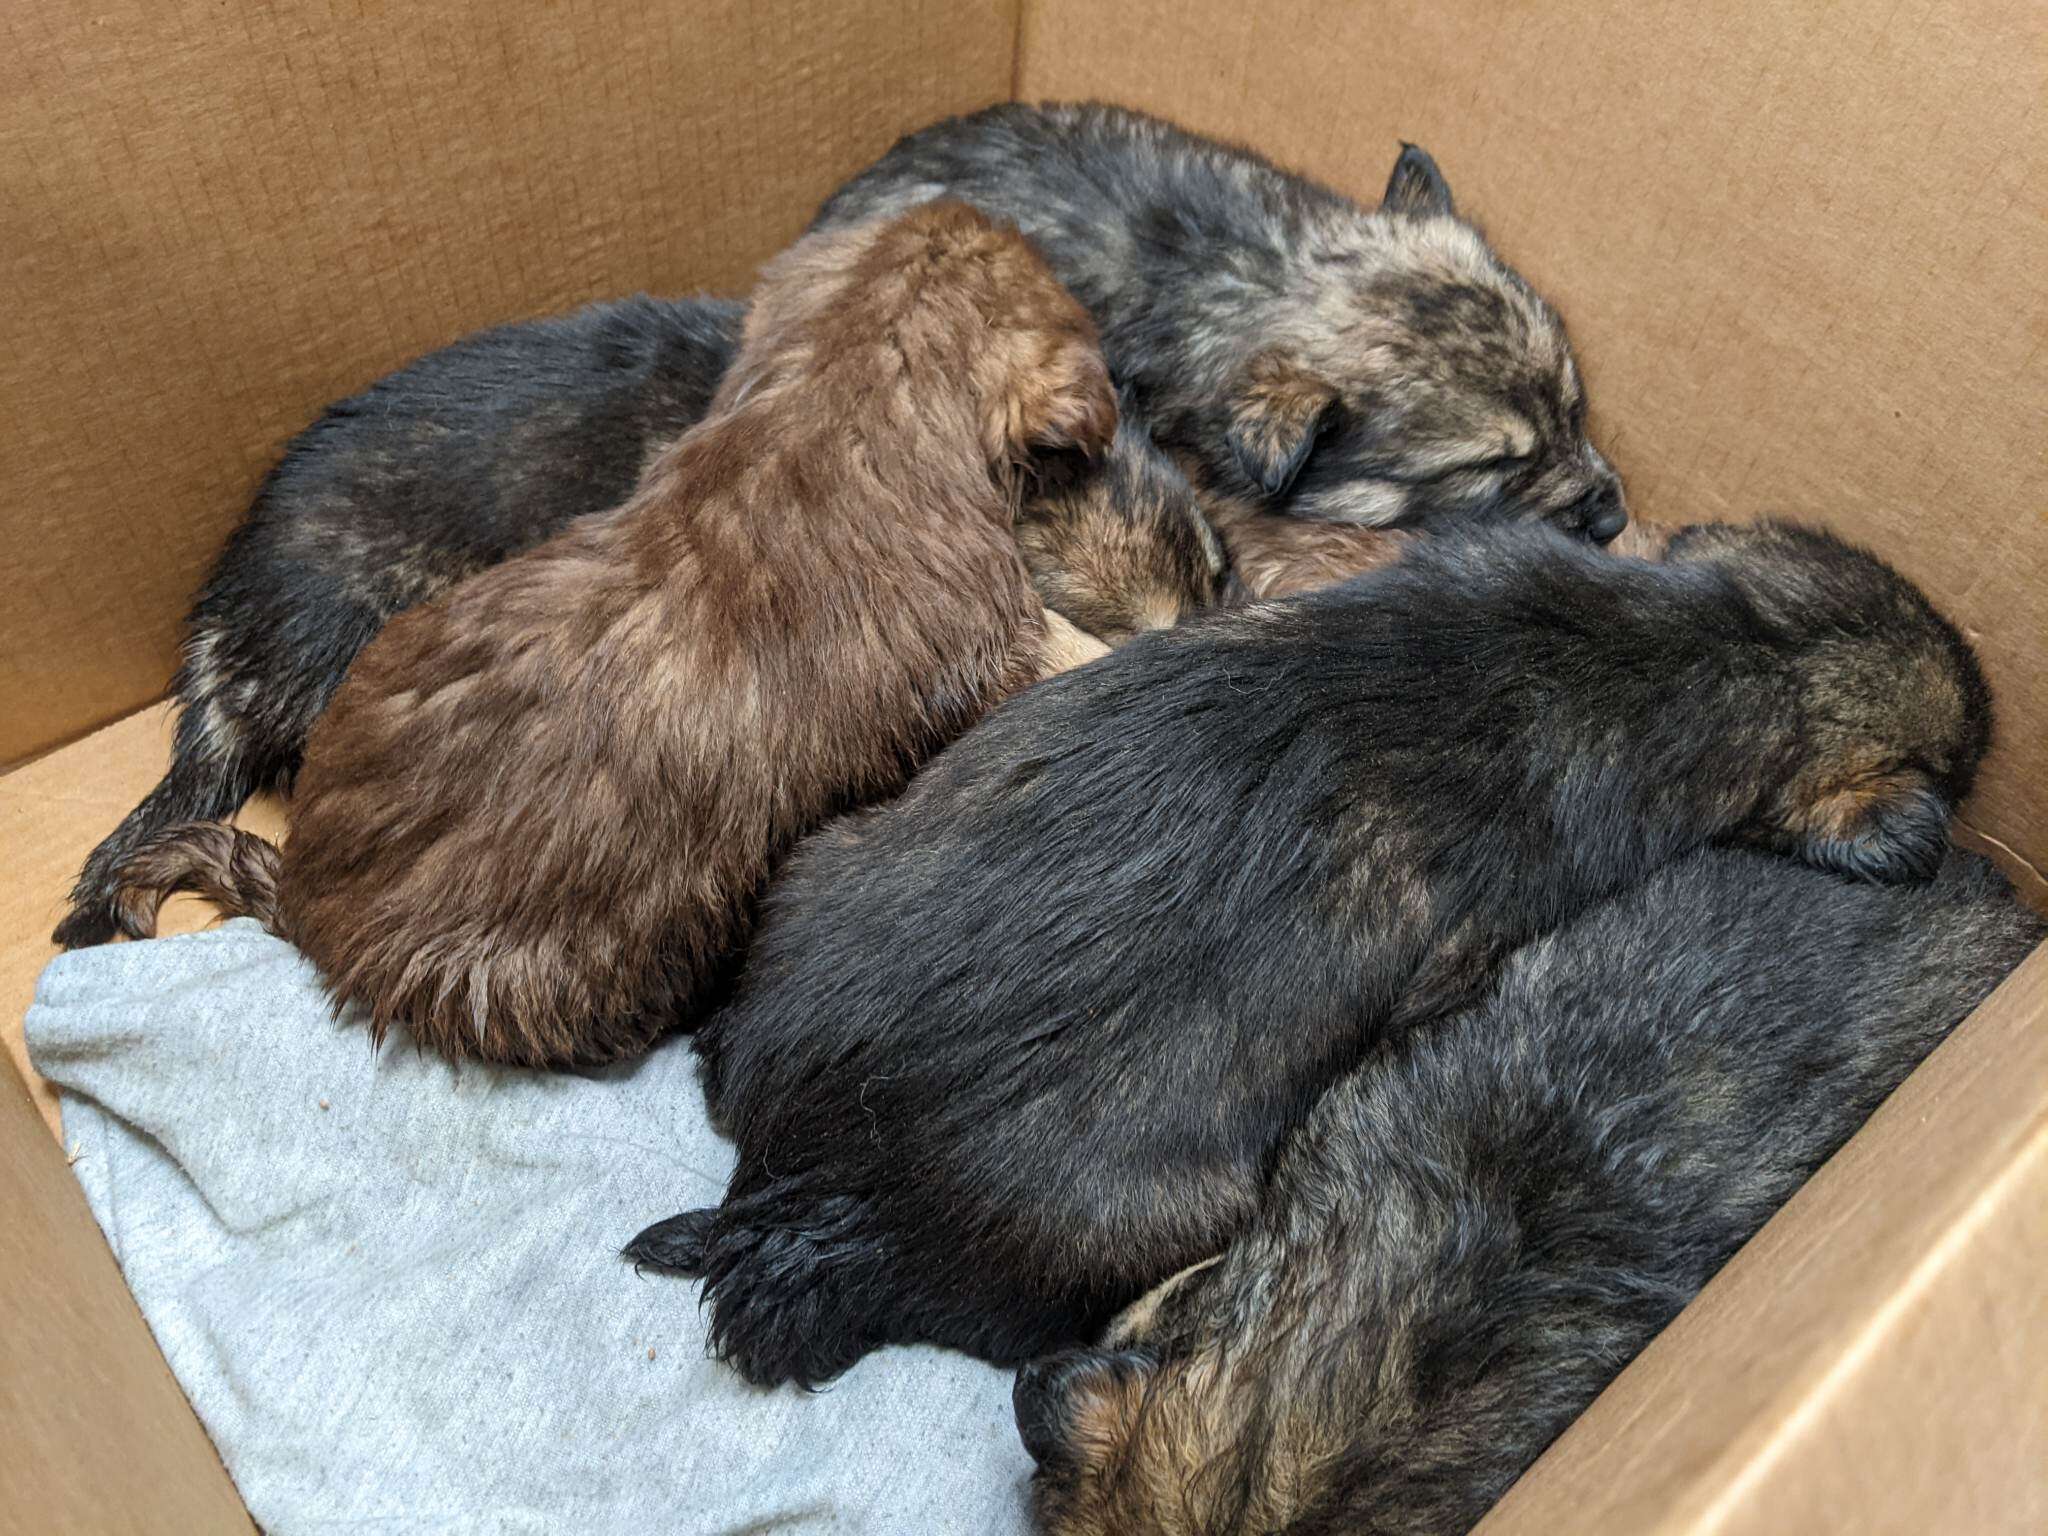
<point>1460,1247</point>
<point>1378,367</point>
<point>1020,1044</point>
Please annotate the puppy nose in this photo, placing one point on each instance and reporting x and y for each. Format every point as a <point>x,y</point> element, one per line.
<point>1036,1405</point>
<point>1601,512</point>
<point>1603,527</point>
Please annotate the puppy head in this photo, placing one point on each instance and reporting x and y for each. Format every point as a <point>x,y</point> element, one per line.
<point>1120,545</point>
<point>1895,714</point>
<point>1421,381</point>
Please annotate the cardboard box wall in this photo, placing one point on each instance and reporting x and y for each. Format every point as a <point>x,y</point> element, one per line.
<point>1800,251</point>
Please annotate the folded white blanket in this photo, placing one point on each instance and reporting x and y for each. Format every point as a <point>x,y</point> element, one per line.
<point>391,1288</point>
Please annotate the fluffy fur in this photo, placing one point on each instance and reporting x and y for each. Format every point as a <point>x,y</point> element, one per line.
<point>486,448</point>
<point>1005,1054</point>
<point>533,821</point>
<point>1380,367</point>
<point>1124,546</point>
<point>1461,1247</point>
<point>1274,555</point>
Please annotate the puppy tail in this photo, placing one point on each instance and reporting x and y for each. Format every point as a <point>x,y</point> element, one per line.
<point>235,870</point>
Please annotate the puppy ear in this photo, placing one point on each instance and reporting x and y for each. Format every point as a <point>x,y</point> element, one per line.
<point>1274,420</point>
<point>1070,1406</point>
<point>1892,830</point>
<point>1417,187</point>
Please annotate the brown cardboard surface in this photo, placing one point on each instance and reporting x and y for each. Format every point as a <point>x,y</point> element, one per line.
<point>98,1438</point>
<point>1876,1359</point>
<point>1800,247</point>
<point>218,218</point>
<point>52,812</point>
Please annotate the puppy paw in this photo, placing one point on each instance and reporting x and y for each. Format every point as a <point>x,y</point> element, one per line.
<point>676,1246</point>
<point>88,925</point>
<point>1893,831</point>
<point>1060,647</point>
<point>792,1284</point>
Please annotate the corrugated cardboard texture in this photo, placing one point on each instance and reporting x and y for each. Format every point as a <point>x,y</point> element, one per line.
<point>1875,1359</point>
<point>219,217</point>
<point>1800,247</point>
<point>97,1437</point>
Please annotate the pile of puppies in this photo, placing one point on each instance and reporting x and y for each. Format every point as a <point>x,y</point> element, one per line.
<point>1320,1040</point>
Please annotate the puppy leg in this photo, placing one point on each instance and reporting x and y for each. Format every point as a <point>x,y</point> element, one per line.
<point>789,1282</point>
<point>1063,645</point>
<point>201,786</point>
<point>1279,556</point>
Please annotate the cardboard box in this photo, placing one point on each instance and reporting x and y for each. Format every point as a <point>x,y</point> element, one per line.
<point>1800,251</point>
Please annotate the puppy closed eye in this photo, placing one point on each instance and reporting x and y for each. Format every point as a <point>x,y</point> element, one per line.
<point>1441,468</point>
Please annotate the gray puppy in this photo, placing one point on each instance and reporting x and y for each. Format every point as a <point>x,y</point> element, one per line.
<point>1381,367</point>
<point>1460,1247</point>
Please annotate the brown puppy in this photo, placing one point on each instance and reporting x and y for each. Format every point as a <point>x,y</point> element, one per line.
<point>532,824</point>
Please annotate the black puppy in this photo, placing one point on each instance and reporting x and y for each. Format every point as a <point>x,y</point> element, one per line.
<point>1376,366</point>
<point>451,464</point>
<point>1461,1247</point>
<point>1021,1044</point>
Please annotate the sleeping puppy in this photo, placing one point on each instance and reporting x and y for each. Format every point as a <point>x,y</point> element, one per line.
<point>1016,1047</point>
<point>1460,1248</point>
<point>485,448</point>
<point>532,824</point>
<point>1374,366</point>
<point>1125,545</point>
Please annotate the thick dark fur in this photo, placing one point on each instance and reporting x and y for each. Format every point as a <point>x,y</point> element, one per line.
<point>1375,366</point>
<point>533,821</point>
<point>1006,1051</point>
<point>450,465</point>
<point>1460,1247</point>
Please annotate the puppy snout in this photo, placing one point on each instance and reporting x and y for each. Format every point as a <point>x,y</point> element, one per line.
<point>1605,526</point>
<point>1601,512</point>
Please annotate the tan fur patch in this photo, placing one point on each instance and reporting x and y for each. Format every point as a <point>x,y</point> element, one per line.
<point>1279,556</point>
